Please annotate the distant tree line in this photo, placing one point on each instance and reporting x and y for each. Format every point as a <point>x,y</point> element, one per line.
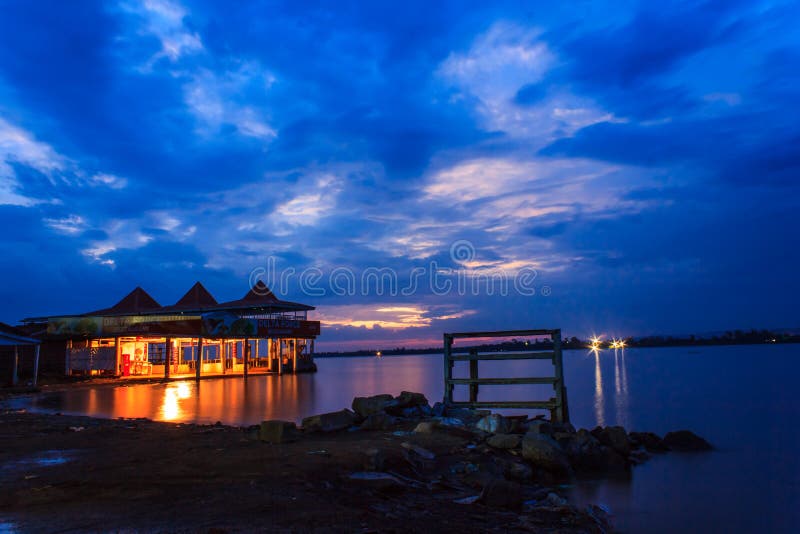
<point>731,337</point>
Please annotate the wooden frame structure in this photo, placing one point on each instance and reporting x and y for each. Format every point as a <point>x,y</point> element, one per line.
<point>557,405</point>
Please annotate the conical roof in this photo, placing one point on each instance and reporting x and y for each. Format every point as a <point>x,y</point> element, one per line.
<point>259,294</point>
<point>136,301</point>
<point>197,297</point>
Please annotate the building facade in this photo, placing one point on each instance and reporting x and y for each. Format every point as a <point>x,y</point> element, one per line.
<point>195,337</point>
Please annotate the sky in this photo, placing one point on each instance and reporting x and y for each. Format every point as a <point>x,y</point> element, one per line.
<point>410,168</point>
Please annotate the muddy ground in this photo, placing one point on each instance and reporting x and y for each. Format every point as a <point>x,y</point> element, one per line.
<point>68,473</point>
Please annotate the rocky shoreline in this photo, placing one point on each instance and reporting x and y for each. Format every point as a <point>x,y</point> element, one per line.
<point>392,463</point>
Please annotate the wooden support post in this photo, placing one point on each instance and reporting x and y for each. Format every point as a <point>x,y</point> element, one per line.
<point>448,369</point>
<point>246,350</point>
<point>117,357</point>
<point>270,353</point>
<point>67,357</point>
<point>222,359</point>
<point>559,414</point>
<point>167,357</point>
<point>15,367</point>
<point>199,361</point>
<point>36,365</point>
<point>473,375</point>
<point>294,356</point>
<point>280,356</point>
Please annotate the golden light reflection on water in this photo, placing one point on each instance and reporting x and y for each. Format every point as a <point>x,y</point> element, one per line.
<point>173,395</point>
<point>621,386</point>
<point>599,402</point>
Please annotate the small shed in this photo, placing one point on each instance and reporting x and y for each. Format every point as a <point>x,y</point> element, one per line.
<point>11,337</point>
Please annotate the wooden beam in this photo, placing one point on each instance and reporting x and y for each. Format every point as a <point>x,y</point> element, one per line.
<point>546,355</point>
<point>504,333</point>
<point>473,375</point>
<point>167,356</point>
<point>448,369</point>
<point>501,381</point>
<point>199,361</point>
<point>246,355</point>
<point>535,405</point>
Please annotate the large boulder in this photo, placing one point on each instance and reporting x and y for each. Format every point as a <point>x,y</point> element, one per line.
<point>426,427</point>
<point>493,424</point>
<point>330,422</point>
<point>518,471</point>
<point>587,455</point>
<point>504,441</point>
<point>543,451</point>
<point>406,400</point>
<point>650,441</point>
<point>378,421</point>
<point>366,406</point>
<point>685,440</point>
<point>277,431</point>
<point>614,437</point>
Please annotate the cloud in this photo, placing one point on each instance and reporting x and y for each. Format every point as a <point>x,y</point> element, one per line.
<point>164,20</point>
<point>214,99</point>
<point>499,73</point>
<point>19,147</point>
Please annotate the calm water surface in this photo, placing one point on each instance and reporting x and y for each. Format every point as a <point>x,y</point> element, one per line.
<point>742,399</point>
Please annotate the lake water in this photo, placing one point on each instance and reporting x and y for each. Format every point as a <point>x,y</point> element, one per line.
<point>742,399</point>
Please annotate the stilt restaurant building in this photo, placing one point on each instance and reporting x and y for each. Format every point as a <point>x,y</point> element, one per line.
<point>195,337</point>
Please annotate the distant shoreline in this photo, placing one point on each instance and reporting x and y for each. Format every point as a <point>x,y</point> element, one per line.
<point>753,337</point>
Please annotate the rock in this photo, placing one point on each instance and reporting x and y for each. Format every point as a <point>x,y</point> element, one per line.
<point>543,451</point>
<point>504,441</point>
<point>426,427</point>
<point>554,500</point>
<point>278,431</point>
<point>518,471</point>
<point>540,427</point>
<point>502,493</point>
<point>374,460</point>
<point>685,440</point>
<point>412,412</point>
<point>378,421</point>
<point>493,424</point>
<point>406,399</point>
<point>650,441</point>
<point>366,406</point>
<point>330,422</point>
<point>614,437</point>
<point>588,455</point>
<point>467,415</point>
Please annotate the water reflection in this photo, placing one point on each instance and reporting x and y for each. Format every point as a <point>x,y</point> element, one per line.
<point>173,395</point>
<point>621,387</point>
<point>599,402</point>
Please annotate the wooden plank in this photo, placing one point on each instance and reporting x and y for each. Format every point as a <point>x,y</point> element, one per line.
<point>503,333</point>
<point>537,405</point>
<point>473,375</point>
<point>560,413</point>
<point>544,355</point>
<point>448,369</point>
<point>502,381</point>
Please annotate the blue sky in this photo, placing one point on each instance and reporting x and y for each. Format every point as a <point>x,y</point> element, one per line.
<point>641,159</point>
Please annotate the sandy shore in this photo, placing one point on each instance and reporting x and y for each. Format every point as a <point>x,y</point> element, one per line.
<point>68,473</point>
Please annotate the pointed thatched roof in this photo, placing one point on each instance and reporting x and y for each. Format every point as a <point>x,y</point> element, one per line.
<point>197,297</point>
<point>137,301</point>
